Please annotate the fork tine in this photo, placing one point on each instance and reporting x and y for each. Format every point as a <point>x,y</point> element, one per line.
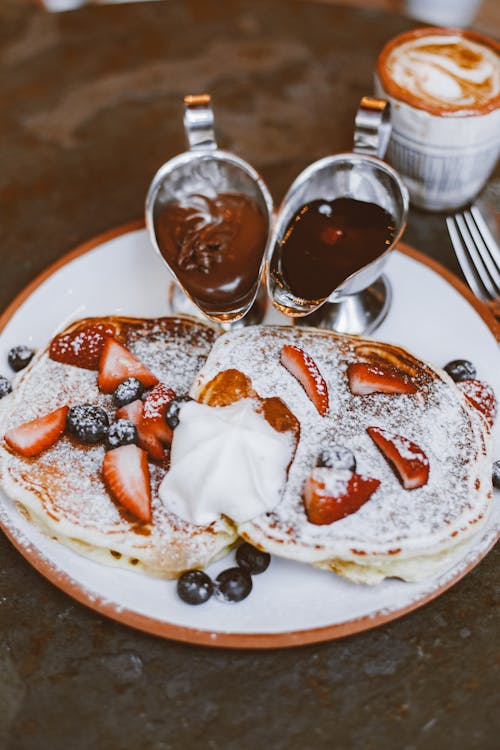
<point>483,249</point>
<point>463,259</point>
<point>488,238</point>
<point>475,257</point>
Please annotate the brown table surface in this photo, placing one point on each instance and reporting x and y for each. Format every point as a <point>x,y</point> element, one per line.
<point>91,106</point>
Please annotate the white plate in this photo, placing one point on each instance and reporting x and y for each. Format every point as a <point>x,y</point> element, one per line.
<point>291,603</point>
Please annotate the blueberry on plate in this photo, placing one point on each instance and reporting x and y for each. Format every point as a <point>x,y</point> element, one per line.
<point>495,474</point>
<point>251,559</point>
<point>337,457</point>
<point>233,585</point>
<point>195,587</point>
<point>460,369</point>
<point>129,390</point>
<point>87,423</point>
<point>19,357</point>
<point>121,432</point>
<point>5,386</point>
<point>173,409</point>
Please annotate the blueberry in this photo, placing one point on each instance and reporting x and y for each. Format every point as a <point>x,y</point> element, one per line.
<point>233,585</point>
<point>337,457</point>
<point>20,356</point>
<point>495,475</point>
<point>121,432</point>
<point>130,390</point>
<point>460,369</point>
<point>172,411</point>
<point>195,587</point>
<point>87,423</point>
<point>5,386</point>
<point>251,559</point>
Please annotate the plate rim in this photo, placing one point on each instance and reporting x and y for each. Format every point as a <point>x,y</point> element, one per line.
<point>286,639</point>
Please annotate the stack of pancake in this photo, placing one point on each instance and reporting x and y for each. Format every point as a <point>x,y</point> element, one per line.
<point>408,533</point>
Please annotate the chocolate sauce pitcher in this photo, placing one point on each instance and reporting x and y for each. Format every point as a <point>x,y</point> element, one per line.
<point>209,216</point>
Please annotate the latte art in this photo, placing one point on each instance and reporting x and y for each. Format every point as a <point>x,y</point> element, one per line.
<point>448,72</point>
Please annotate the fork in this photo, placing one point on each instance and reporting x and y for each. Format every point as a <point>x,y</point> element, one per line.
<point>478,255</point>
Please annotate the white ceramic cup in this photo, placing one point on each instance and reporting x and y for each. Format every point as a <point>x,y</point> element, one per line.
<point>443,156</point>
<point>442,12</point>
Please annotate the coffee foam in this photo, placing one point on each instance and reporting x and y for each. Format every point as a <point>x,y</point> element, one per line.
<point>450,72</point>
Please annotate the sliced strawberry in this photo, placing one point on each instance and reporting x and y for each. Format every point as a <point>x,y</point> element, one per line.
<point>364,379</point>
<point>406,458</point>
<point>155,405</point>
<point>117,363</point>
<point>133,411</point>
<point>482,396</point>
<point>126,474</point>
<point>31,438</point>
<point>81,347</point>
<point>331,495</point>
<point>147,439</point>
<point>304,368</point>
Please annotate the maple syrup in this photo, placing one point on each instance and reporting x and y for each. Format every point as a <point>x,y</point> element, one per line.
<point>327,241</point>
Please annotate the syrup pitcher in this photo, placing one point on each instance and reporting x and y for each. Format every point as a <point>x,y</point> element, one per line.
<point>336,226</point>
<point>209,216</point>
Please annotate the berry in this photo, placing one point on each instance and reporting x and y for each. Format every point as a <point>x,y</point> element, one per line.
<point>495,475</point>
<point>251,559</point>
<point>173,409</point>
<point>233,585</point>
<point>365,379</point>
<point>330,496</point>
<point>337,457</point>
<point>195,587</point>
<point>121,432</point>
<point>20,356</point>
<point>155,406</point>
<point>406,458</point>
<point>5,386</point>
<point>149,442</point>
<point>304,369</point>
<point>129,390</point>
<point>81,347</point>
<point>460,369</point>
<point>482,396</point>
<point>87,423</point>
<point>31,438</point>
<point>126,474</point>
<point>117,363</point>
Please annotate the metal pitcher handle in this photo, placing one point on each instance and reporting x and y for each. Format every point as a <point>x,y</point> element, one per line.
<point>372,127</point>
<point>199,122</point>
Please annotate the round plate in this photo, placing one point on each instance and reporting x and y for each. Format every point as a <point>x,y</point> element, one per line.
<point>291,603</point>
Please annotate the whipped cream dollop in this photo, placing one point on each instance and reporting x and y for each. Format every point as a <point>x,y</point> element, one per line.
<point>225,460</point>
<point>450,72</point>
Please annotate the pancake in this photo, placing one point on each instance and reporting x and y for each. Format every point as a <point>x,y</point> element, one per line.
<point>62,490</point>
<point>410,534</point>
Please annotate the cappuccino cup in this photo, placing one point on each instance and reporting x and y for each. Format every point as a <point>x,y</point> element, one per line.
<point>444,89</point>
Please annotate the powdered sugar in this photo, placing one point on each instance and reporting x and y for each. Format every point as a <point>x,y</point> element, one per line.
<point>436,418</point>
<point>64,485</point>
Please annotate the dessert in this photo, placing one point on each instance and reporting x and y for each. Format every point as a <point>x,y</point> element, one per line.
<point>92,481</point>
<point>155,444</point>
<point>421,484</point>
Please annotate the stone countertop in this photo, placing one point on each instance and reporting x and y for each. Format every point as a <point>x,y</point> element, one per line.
<point>91,106</point>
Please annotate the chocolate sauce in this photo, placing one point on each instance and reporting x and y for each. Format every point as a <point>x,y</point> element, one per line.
<point>327,241</point>
<point>215,246</point>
